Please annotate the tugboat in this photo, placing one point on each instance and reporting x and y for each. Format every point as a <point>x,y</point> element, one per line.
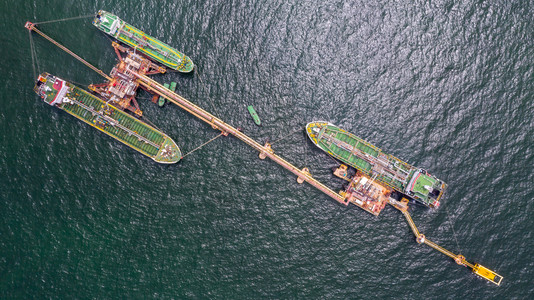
<point>162,99</point>
<point>254,115</point>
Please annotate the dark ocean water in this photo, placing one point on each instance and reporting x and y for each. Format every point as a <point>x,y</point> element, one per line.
<point>444,85</point>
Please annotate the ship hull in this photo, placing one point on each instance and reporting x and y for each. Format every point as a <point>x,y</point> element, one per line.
<point>142,42</point>
<point>107,119</point>
<point>390,171</point>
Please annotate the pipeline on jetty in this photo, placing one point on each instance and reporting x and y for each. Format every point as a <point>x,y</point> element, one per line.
<point>266,151</point>
<point>216,123</point>
<point>478,269</point>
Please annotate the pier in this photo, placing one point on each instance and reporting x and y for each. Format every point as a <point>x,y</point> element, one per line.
<point>216,123</point>
<point>478,269</point>
<point>266,151</point>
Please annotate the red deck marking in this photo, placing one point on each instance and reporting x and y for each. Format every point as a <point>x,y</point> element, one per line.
<point>57,85</point>
<point>411,188</point>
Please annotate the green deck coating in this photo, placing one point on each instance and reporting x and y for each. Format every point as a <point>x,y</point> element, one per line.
<point>419,185</point>
<point>110,120</point>
<point>370,160</point>
<point>173,86</point>
<point>135,38</point>
<point>162,100</point>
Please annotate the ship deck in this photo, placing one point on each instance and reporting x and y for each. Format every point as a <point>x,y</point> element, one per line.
<point>148,45</point>
<point>364,156</point>
<point>127,129</point>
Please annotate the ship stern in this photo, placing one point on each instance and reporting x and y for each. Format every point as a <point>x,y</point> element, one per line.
<point>107,22</point>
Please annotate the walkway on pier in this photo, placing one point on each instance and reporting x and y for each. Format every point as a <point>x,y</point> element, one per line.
<point>216,123</point>
<point>478,269</point>
<point>265,151</point>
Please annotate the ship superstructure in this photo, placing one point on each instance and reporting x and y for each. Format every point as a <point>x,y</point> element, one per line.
<point>121,89</point>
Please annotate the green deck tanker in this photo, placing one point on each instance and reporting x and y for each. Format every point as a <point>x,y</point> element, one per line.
<point>142,42</point>
<point>413,182</point>
<point>108,119</point>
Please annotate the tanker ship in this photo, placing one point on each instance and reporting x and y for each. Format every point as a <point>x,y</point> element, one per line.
<point>142,42</point>
<point>416,183</point>
<point>107,118</point>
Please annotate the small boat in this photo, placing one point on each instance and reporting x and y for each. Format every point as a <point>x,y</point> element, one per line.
<point>162,99</point>
<point>254,115</point>
<point>173,86</point>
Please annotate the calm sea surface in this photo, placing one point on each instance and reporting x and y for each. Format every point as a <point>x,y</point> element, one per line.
<point>445,85</point>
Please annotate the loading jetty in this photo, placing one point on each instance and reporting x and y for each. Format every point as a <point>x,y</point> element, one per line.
<point>357,196</point>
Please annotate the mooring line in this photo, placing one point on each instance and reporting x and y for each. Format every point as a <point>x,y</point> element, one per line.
<point>79,84</point>
<point>211,140</point>
<point>150,122</point>
<point>143,98</point>
<point>453,231</point>
<point>285,136</point>
<point>35,54</point>
<point>35,61</point>
<point>204,88</point>
<point>33,58</point>
<point>66,19</point>
<point>335,161</point>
